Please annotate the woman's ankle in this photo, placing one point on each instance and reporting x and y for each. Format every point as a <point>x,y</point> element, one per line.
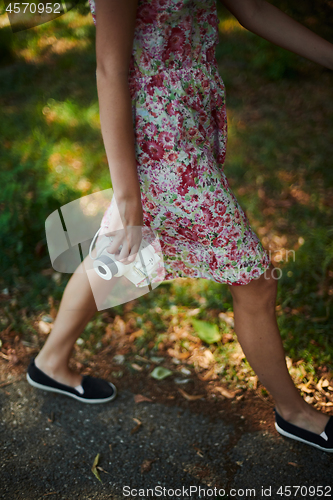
<point>290,413</point>
<point>50,365</point>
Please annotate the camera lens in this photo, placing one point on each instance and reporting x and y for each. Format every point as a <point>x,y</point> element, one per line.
<point>101,270</point>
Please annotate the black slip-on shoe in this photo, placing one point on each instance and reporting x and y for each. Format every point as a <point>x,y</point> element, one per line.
<point>92,390</point>
<point>323,441</point>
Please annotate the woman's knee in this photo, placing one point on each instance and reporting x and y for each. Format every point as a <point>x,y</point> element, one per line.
<point>259,293</point>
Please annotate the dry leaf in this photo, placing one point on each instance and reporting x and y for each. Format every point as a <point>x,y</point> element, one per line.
<point>51,418</point>
<point>304,388</point>
<point>228,318</point>
<point>94,468</point>
<point>146,465</point>
<point>255,381</point>
<point>227,337</point>
<point>137,427</point>
<point>137,367</point>
<point>225,392</point>
<point>319,385</point>
<point>53,310</point>
<point>207,375</point>
<point>119,325</point>
<point>44,327</point>
<point>101,469</point>
<point>179,355</point>
<point>135,335</point>
<point>328,396</point>
<point>199,452</point>
<point>139,398</point>
<point>188,396</point>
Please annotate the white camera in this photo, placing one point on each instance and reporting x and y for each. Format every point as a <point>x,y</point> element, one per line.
<point>138,272</point>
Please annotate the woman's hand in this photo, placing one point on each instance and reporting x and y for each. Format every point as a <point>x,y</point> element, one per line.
<point>125,229</point>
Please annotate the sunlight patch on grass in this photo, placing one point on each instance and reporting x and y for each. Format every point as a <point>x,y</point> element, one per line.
<point>78,21</point>
<point>4,21</point>
<point>228,25</point>
<point>65,165</point>
<point>70,114</point>
<point>51,45</point>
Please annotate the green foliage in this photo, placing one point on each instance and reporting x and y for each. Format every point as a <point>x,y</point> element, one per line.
<point>271,61</point>
<point>207,332</point>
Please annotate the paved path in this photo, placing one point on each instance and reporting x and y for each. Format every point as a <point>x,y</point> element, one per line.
<point>49,442</point>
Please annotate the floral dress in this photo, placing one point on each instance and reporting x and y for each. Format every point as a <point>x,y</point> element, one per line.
<point>180,122</point>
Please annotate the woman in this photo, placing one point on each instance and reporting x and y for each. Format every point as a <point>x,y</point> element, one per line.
<point>156,69</point>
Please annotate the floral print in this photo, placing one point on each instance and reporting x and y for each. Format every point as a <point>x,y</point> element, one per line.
<point>180,121</point>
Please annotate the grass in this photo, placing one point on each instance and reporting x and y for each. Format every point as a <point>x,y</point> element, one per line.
<point>280,120</point>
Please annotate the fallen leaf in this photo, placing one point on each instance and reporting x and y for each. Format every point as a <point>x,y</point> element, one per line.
<point>146,465</point>
<point>207,375</point>
<point>304,388</point>
<point>51,418</point>
<point>135,335</point>
<point>227,337</point>
<point>137,367</point>
<point>227,318</point>
<point>193,312</point>
<point>139,398</point>
<point>207,332</point>
<point>188,396</point>
<point>225,392</point>
<point>319,385</point>
<point>44,327</point>
<point>94,468</point>
<point>160,373</point>
<point>199,452</point>
<point>137,427</point>
<point>178,355</point>
<point>293,464</point>
<point>102,470</point>
<point>14,359</point>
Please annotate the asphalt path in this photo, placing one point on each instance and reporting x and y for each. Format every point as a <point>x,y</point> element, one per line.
<point>49,443</point>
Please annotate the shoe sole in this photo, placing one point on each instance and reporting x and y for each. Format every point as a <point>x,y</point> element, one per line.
<point>82,400</point>
<point>296,438</point>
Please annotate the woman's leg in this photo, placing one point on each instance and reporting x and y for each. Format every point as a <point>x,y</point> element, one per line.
<point>77,307</point>
<point>258,334</point>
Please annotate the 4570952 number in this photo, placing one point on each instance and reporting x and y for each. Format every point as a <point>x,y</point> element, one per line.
<point>32,8</point>
<point>305,491</point>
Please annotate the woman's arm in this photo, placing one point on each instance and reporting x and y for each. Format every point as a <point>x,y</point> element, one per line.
<point>269,22</point>
<point>115,22</point>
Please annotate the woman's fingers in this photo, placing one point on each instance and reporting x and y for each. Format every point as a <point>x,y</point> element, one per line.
<point>134,252</point>
<point>116,242</point>
<point>125,244</point>
<point>130,249</point>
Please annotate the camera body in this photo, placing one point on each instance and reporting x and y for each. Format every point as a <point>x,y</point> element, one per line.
<point>146,262</point>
